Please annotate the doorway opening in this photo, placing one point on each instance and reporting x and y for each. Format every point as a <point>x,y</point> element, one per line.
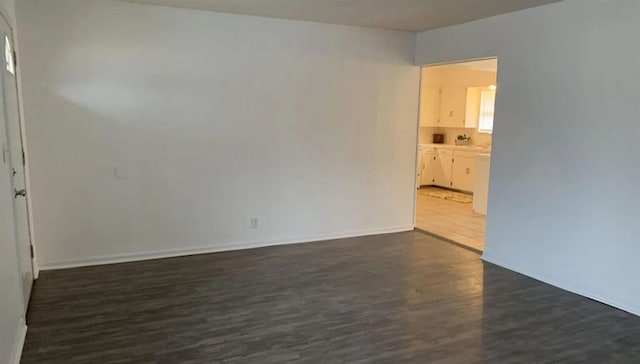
<point>457,103</point>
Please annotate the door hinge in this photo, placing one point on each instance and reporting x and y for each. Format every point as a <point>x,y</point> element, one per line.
<point>15,59</point>
<point>24,160</point>
<point>31,250</point>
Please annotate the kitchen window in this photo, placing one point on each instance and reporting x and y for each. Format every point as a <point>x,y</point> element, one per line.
<point>487,107</point>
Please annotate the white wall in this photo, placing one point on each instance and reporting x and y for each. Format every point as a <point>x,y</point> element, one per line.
<point>566,159</point>
<point>8,9</point>
<point>213,119</point>
<point>12,325</point>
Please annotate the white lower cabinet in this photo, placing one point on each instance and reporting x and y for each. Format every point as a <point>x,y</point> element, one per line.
<point>428,163</point>
<point>447,168</point>
<point>431,165</point>
<point>442,167</point>
<point>462,171</point>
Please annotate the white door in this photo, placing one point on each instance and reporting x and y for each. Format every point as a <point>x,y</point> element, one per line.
<point>15,159</point>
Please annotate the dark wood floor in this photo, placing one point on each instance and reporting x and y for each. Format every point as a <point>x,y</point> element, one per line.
<point>399,298</point>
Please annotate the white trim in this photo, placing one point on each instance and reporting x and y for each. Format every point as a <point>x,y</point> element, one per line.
<point>562,285</point>
<point>133,257</point>
<point>416,184</point>
<point>36,270</point>
<point>16,355</point>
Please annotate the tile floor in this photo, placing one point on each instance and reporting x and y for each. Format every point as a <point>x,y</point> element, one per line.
<point>451,220</point>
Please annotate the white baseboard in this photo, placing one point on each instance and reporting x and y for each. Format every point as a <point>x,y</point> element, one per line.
<point>36,269</point>
<point>554,281</point>
<point>19,345</point>
<point>132,257</point>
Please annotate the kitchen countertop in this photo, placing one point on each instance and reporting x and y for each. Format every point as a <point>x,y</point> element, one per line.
<point>471,148</point>
<point>483,155</point>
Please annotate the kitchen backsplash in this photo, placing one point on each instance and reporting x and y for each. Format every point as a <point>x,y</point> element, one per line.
<point>450,135</point>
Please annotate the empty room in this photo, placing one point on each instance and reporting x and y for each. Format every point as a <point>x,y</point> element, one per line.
<point>239,181</point>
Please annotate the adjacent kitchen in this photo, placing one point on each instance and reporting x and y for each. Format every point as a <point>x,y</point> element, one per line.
<point>454,150</point>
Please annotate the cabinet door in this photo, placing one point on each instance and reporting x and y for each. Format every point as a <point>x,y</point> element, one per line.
<point>472,112</point>
<point>430,106</point>
<point>462,173</point>
<point>442,170</point>
<point>428,170</point>
<point>453,103</point>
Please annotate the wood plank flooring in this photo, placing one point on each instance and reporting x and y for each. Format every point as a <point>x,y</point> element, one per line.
<point>397,298</point>
<point>451,220</point>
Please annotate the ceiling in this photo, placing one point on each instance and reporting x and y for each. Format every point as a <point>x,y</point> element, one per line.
<point>409,15</point>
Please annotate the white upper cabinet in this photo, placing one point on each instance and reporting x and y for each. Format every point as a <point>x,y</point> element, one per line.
<point>430,106</point>
<point>430,83</point>
<point>453,103</point>
<point>452,98</point>
<point>460,107</point>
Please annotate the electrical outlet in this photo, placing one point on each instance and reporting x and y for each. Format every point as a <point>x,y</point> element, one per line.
<point>254,222</point>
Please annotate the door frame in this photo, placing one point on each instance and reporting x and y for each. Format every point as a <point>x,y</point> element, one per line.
<point>417,144</point>
<point>417,149</point>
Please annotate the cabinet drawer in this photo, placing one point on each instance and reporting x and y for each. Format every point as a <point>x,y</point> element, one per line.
<point>444,151</point>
